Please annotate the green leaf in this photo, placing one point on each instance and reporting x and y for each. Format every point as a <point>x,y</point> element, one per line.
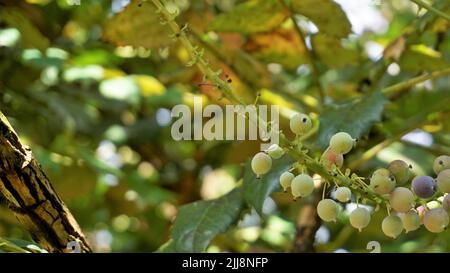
<point>327,15</point>
<point>256,190</point>
<point>137,26</point>
<point>419,59</point>
<point>331,52</point>
<point>199,222</point>
<point>250,17</point>
<point>31,37</point>
<point>355,118</point>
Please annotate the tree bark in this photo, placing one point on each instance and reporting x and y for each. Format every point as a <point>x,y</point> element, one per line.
<point>32,198</point>
<point>308,222</point>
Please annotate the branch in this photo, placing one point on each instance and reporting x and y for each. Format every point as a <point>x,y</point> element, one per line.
<point>396,88</point>
<point>426,6</point>
<point>309,52</point>
<point>31,196</point>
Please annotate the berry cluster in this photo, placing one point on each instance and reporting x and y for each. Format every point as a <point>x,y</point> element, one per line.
<point>386,185</point>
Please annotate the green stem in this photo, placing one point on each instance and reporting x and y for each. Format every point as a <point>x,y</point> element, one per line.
<point>396,88</point>
<point>424,5</point>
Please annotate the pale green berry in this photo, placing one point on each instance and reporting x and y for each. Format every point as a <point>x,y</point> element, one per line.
<point>443,181</point>
<point>300,123</point>
<point>341,143</point>
<point>435,220</point>
<point>302,185</point>
<point>401,171</point>
<point>261,163</point>
<point>327,210</point>
<point>446,203</point>
<point>441,163</point>
<point>401,199</point>
<point>275,151</point>
<point>343,194</point>
<point>392,226</point>
<point>382,181</point>
<point>410,220</point>
<point>286,180</point>
<point>359,218</point>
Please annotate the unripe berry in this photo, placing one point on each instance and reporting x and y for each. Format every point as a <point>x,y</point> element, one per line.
<point>300,123</point>
<point>341,143</point>
<point>401,199</point>
<point>401,171</point>
<point>330,158</point>
<point>286,180</point>
<point>275,151</point>
<point>359,218</point>
<point>382,181</point>
<point>424,186</point>
<point>343,194</point>
<point>410,220</point>
<point>261,163</point>
<point>392,226</point>
<point>302,185</point>
<point>446,203</point>
<point>435,220</point>
<point>441,163</point>
<point>443,181</point>
<point>327,210</point>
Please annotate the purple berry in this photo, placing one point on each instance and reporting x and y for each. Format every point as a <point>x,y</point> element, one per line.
<point>424,186</point>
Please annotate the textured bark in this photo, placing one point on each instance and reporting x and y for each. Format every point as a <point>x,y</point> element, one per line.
<point>31,196</point>
<point>308,222</point>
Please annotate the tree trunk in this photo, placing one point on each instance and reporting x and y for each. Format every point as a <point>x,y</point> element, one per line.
<point>308,222</point>
<point>32,198</point>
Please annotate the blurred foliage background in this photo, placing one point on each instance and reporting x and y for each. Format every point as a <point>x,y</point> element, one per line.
<point>89,88</point>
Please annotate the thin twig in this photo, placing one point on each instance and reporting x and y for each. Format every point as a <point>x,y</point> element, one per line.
<point>426,6</point>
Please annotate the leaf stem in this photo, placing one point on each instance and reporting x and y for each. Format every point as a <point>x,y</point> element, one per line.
<point>429,7</point>
<point>396,88</point>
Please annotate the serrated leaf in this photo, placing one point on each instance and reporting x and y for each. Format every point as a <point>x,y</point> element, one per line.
<point>327,15</point>
<point>256,190</point>
<point>282,46</point>
<point>250,17</point>
<point>418,104</point>
<point>331,52</point>
<point>137,26</point>
<point>199,222</point>
<point>30,37</point>
<point>354,118</point>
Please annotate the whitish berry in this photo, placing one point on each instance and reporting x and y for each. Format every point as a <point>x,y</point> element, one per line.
<point>330,158</point>
<point>286,179</point>
<point>360,218</point>
<point>261,163</point>
<point>300,123</point>
<point>382,181</point>
<point>302,185</point>
<point>421,211</point>
<point>401,171</point>
<point>441,163</point>
<point>275,151</point>
<point>401,199</point>
<point>446,203</point>
<point>327,210</point>
<point>343,194</point>
<point>424,186</point>
<point>435,220</point>
<point>443,181</point>
<point>341,143</point>
<point>392,226</point>
<point>410,220</point>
